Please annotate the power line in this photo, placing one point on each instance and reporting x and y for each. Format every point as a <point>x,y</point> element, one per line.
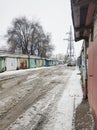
<point>70,48</point>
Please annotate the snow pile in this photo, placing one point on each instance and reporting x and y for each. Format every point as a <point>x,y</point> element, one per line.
<point>20,71</point>
<point>71,98</point>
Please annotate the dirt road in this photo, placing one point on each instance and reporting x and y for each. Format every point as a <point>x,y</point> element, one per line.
<point>35,92</point>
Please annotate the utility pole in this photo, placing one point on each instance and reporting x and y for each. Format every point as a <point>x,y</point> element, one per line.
<point>70,48</point>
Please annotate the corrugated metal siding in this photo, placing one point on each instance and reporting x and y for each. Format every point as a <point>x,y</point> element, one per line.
<point>11,63</point>
<point>22,63</point>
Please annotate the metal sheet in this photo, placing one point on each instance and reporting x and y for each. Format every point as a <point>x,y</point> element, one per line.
<point>47,63</point>
<point>43,63</point>
<point>11,63</point>
<point>37,63</point>
<point>22,63</point>
<point>90,74</point>
<point>92,77</point>
<point>40,63</point>
<point>0,64</point>
<point>32,63</point>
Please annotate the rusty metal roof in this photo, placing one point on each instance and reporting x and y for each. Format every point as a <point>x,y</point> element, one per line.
<point>82,15</point>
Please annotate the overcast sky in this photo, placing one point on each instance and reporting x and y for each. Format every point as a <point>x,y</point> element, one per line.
<point>53,15</point>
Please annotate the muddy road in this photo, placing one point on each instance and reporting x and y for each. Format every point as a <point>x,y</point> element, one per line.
<point>28,99</point>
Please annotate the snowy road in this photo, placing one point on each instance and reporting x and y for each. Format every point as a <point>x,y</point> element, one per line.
<point>39,99</point>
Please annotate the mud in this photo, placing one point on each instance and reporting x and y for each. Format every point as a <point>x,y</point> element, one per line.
<point>19,92</point>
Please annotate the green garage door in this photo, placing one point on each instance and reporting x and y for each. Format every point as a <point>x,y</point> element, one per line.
<point>0,64</point>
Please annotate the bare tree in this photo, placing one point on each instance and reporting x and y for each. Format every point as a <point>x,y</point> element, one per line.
<point>36,38</point>
<point>30,37</point>
<point>48,47</point>
<point>18,34</point>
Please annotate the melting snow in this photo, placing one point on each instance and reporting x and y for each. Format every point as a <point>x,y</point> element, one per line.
<point>63,114</point>
<point>20,71</point>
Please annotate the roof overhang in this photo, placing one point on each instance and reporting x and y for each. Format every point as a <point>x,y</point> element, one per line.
<point>82,15</point>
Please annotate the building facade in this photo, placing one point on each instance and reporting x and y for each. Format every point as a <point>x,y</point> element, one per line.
<point>84,15</point>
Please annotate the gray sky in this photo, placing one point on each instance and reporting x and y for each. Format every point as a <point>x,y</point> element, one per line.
<point>54,16</point>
